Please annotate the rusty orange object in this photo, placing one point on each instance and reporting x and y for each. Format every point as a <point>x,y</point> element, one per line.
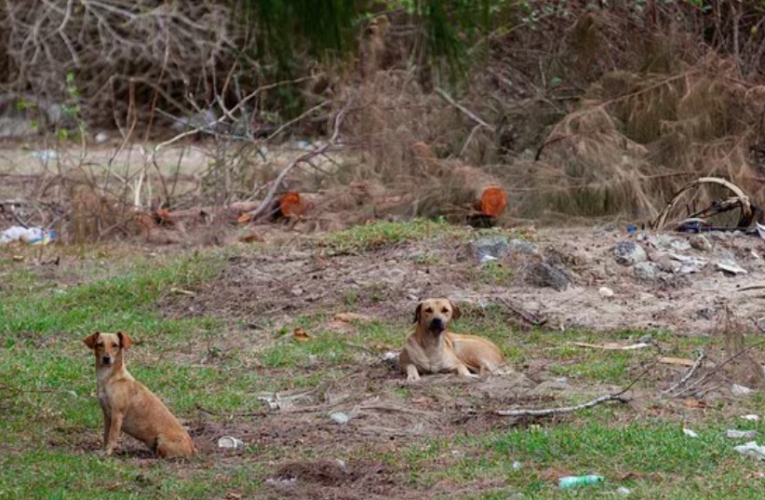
<point>244,218</point>
<point>493,201</point>
<point>291,205</point>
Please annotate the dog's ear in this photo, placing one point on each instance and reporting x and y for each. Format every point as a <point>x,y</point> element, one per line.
<point>125,340</point>
<point>91,340</point>
<point>456,313</point>
<point>417,313</point>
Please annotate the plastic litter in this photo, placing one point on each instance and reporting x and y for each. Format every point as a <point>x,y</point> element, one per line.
<point>740,390</point>
<point>690,433</point>
<point>574,481</point>
<point>31,235</point>
<point>340,418</point>
<point>230,442</point>
<point>736,434</point>
<point>752,449</point>
<point>623,491</point>
<point>44,155</point>
<point>751,418</point>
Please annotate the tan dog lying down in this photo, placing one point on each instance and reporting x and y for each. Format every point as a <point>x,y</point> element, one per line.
<point>433,349</point>
<point>129,406</point>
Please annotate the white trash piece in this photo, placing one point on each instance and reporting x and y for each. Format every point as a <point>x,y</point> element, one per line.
<point>752,449</point>
<point>740,390</point>
<point>690,433</point>
<point>230,443</point>
<point>751,418</point>
<point>340,417</point>
<point>31,235</point>
<point>736,434</point>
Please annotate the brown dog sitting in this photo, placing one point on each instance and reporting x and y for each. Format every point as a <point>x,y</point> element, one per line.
<point>432,349</point>
<point>129,406</point>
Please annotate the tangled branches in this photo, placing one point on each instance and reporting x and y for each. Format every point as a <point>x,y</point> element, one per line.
<point>168,47</point>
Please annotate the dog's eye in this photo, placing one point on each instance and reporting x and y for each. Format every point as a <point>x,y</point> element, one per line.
<point>115,345</point>
<point>444,310</point>
<point>100,344</point>
<point>429,310</point>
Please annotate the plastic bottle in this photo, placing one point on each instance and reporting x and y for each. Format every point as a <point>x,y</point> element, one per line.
<point>574,481</point>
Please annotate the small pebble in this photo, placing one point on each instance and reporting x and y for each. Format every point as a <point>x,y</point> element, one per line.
<point>606,292</point>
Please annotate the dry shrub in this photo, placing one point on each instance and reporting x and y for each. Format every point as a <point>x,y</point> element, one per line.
<point>94,216</point>
<point>638,138</point>
<point>167,45</point>
<point>744,369</point>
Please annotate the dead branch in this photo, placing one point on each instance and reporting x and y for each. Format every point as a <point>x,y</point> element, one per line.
<point>718,367</point>
<point>525,412</point>
<point>565,409</point>
<point>254,214</point>
<point>689,374</point>
<point>464,110</point>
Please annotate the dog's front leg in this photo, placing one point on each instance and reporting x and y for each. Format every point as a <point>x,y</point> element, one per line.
<point>113,434</point>
<point>463,371</point>
<point>411,373</point>
<point>107,426</point>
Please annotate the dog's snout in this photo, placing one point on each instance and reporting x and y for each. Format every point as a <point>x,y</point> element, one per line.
<point>437,324</point>
<point>107,360</point>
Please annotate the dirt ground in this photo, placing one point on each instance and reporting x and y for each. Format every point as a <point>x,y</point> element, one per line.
<point>300,279</point>
<point>678,286</point>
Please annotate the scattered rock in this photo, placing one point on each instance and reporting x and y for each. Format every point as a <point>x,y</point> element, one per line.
<point>340,417</point>
<point>628,253</point>
<point>689,265</point>
<point>706,313</point>
<point>718,236</point>
<point>485,249</point>
<point>729,267</point>
<point>522,247</point>
<point>544,274</point>
<point>700,242</point>
<point>736,434</point>
<point>606,292</point>
<point>645,339</point>
<point>646,271</point>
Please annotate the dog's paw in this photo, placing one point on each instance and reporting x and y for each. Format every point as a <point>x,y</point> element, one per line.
<point>413,378</point>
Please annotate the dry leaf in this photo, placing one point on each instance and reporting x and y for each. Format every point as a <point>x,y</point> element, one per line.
<point>694,403</point>
<point>301,335</point>
<point>251,237</point>
<point>349,317</point>
<point>244,218</point>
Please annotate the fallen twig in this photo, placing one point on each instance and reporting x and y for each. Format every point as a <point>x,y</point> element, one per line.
<point>525,412</point>
<point>725,362</point>
<point>612,346</point>
<point>566,409</point>
<point>688,375</point>
<point>464,110</point>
